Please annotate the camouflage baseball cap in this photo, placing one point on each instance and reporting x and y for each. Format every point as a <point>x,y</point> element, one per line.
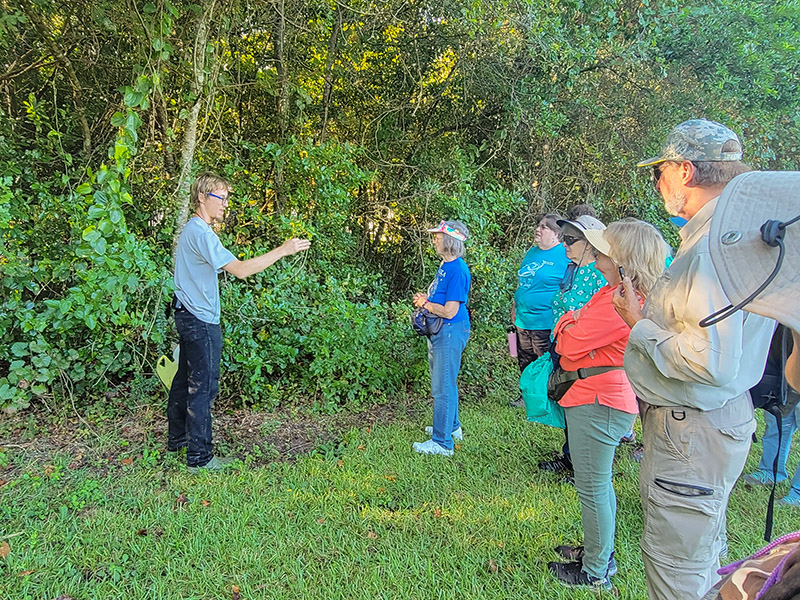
<point>699,140</point>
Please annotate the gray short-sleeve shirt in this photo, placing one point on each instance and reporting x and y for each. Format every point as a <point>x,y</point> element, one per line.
<point>198,259</point>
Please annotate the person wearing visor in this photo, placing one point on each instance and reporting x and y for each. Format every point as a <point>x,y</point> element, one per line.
<point>199,257</point>
<point>540,275</point>
<point>600,406</point>
<point>578,285</point>
<point>692,382</point>
<point>447,298</point>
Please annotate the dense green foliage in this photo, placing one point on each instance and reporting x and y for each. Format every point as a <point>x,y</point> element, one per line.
<point>355,124</point>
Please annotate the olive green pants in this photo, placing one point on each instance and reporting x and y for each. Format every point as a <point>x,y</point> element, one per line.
<point>691,460</point>
<point>594,432</point>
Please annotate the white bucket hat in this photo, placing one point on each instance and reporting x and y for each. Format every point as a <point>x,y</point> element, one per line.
<point>754,240</point>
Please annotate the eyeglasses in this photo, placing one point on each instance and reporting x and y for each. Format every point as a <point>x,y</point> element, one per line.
<point>569,239</point>
<point>223,198</point>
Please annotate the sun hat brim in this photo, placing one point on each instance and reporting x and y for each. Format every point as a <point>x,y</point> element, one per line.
<point>743,261</point>
<point>597,240</point>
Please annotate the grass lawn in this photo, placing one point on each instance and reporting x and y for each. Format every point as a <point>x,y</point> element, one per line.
<point>358,517</point>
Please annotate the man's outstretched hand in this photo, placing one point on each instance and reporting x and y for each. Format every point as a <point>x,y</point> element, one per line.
<point>294,245</point>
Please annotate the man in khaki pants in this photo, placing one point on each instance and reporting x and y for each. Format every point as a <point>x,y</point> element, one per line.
<point>692,382</point>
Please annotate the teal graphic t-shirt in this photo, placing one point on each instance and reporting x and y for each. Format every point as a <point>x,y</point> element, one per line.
<point>539,277</point>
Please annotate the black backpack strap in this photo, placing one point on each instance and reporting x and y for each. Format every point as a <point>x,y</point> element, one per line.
<point>775,411</point>
<point>583,373</point>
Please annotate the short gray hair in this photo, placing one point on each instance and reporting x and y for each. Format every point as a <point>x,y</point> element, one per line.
<point>713,173</point>
<point>452,246</point>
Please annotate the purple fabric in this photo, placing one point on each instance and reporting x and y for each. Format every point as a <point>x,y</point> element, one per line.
<point>775,576</point>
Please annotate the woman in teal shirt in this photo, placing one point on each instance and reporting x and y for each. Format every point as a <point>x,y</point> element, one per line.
<point>540,275</point>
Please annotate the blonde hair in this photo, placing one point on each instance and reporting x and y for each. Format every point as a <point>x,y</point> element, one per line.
<point>639,248</point>
<point>207,182</point>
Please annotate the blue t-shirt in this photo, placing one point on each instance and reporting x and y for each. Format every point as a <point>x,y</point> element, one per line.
<point>539,277</point>
<point>199,257</point>
<point>452,284</point>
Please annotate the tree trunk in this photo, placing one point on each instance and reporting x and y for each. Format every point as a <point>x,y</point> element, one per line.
<point>190,135</point>
<point>279,45</point>
<point>329,62</point>
<point>66,63</point>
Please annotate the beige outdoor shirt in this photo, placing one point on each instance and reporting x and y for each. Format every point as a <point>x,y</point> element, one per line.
<point>670,360</point>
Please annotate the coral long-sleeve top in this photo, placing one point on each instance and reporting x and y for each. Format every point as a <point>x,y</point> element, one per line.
<point>596,336</point>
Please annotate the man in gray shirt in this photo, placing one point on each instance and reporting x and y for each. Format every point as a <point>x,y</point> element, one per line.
<point>200,256</point>
<point>692,382</point>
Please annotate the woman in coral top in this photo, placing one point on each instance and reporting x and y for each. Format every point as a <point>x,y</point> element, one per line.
<point>601,408</point>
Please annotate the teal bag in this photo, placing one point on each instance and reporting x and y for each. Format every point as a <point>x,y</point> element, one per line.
<point>533,383</point>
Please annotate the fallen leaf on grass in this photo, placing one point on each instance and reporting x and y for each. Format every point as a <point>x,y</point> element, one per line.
<point>2,482</point>
<point>372,535</point>
<point>321,521</point>
<point>361,447</point>
<point>5,550</point>
<point>391,477</point>
<point>24,573</point>
<point>437,513</point>
<point>458,446</point>
<point>126,461</point>
<point>49,470</point>
<point>142,532</point>
<point>340,463</point>
<point>368,429</point>
<point>235,592</point>
<point>493,568</point>
<point>206,503</point>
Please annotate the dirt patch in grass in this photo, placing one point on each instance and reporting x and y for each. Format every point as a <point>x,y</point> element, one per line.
<point>115,434</point>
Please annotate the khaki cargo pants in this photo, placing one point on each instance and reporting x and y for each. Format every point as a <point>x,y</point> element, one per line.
<point>691,460</point>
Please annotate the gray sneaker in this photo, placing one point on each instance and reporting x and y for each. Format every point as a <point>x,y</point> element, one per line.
<point>758,478</point>
<point>458,434</point>
<point>214,465</point>
<point>518,403</point>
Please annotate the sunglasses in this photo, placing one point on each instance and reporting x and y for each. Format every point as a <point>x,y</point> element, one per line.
<point>569,239</point>
<point>657,172</point>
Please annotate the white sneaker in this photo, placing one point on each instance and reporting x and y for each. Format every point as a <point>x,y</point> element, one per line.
<point>458,434</point>
<point>431,447</point>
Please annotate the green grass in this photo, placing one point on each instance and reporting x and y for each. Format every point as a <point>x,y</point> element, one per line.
<point>366,518</point>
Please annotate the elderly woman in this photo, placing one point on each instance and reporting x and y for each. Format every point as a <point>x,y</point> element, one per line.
<point>447,298</point>
<point>579,284</point>
<point>601,406</point>
<point>540,275</point>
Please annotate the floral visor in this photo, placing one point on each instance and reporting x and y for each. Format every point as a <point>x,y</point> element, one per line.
<point>444,228</point>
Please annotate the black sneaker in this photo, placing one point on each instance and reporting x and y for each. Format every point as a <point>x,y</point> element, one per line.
<point>637,454</point>
<point>572,574</point>
<point>559,464</point>
<point>577,553</point>
<point>518,403</point>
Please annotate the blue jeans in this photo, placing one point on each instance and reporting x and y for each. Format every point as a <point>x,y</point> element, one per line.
<point>194,388</point>
<point>594,433</point>
<point>444,359</point>
<point>770,446</point>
